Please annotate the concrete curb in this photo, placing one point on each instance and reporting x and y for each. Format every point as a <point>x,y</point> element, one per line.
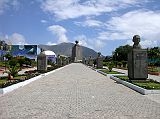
<point>21,84</point>
<point>101,72</point>
<point>134,87</point>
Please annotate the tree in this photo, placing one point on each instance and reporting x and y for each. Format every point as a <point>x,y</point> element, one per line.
<point>23,60</point>
<point>27,61</point>
<point>13,68</point>
<point>121,53</point>
<point>20,61</point>
<point>154,56</point>
<point>107,59</point>
<point>8,56</point>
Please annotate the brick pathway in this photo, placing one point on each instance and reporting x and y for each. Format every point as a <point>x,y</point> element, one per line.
<point>77,92</point>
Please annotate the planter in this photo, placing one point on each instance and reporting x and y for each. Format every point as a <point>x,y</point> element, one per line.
<point>135,87</point>
<point>155,73</point>
<point>18,85</point>
<point>21,84</point>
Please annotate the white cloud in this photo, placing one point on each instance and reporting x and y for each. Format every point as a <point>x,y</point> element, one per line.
<point>66,9</point>
<point>17,39</point>
<point>14,39</point>
<point>141,22</point>
<point>51,43</point>
<point>82,40</point>
<point>43,21</point>
<point>146,43</point>
<point>112,35</point>
<point>90,23</point>
<point>6,4</point>
<point>60,33</point>
<point>99,44</point>
<point>92,43</point>
<point>149,43</point>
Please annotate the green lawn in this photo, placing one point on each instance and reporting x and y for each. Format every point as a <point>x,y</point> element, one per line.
<point>155,69</point>
<point>147,85</point>
<point>3,81</point>
<point>110,72</point>
<point>123,77</point>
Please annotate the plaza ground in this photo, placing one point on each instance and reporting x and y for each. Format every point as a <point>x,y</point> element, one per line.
<point>78,92</point>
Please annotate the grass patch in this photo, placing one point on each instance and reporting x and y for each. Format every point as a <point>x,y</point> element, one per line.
<point>154,69</point>
<point>2,81</point>
<point>149,84</point>
<point>110,72</point>
<point>125,78</point>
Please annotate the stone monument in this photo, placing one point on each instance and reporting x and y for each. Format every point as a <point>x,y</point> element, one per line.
<point>59,61</point>
<point>64,61</point>
<point>137,61</point>
<point>76,53</point>
<point>42,62</point>
<point>99,61</point>
<point>86,61</point>
<point>83,60</point>
<point>90,61</point>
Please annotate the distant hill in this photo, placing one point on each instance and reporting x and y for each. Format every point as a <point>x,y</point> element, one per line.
<point>66,49</point>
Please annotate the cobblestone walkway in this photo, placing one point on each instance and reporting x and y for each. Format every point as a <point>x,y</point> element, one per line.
<point>77,92</point>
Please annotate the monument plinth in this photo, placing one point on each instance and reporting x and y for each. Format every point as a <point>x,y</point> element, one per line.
<point>59,61</point>
<point>42,62</point>
<point>76,53</point>
<point>137,61</point>
<point>99,61</point>
<point>84,60</point>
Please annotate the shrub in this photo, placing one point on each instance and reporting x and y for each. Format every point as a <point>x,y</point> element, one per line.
<point>105,63</point>
<point>119,64</point>
<point>110,66</point>
<point>124,63</point>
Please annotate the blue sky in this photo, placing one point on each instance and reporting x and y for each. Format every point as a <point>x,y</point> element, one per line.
<point>102,25</point>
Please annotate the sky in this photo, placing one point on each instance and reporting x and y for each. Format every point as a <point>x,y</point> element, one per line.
<point>102,25</point>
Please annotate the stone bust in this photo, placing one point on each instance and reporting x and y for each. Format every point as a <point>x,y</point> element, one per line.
<point>99,54</point>
<point>136,40</point>
<point>76,42</point>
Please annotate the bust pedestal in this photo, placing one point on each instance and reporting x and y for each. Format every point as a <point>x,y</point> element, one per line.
<point>137,63</point>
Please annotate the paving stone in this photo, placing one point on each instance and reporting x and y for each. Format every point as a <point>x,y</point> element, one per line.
<point>77,92</point>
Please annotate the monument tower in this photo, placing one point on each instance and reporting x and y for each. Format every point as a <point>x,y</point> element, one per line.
<point>76,53</point>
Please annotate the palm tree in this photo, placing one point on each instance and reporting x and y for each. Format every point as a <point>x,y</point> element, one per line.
<point>13,68</point>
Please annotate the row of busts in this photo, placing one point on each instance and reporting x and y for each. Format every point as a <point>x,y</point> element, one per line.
<point>97,62</point>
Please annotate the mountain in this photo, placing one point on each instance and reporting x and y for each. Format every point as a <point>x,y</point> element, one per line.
<point>66,49</point>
